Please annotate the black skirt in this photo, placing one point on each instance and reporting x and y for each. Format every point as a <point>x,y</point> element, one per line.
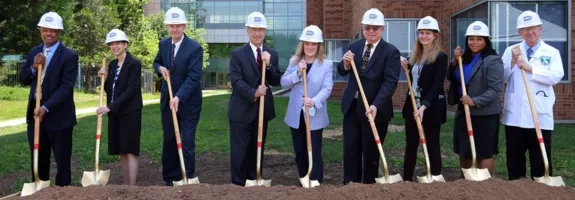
<point>124,133</point>
<point>485,134</point>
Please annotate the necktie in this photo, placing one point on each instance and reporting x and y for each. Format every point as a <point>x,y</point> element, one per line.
<point>118,68</point>
<point>529,54</point>
<point>172,56</point>
<point>365,58</point>
<point>259,58</point>
<point>45,64</point>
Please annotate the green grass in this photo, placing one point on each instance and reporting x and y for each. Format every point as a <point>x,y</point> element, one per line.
<point>14,101</point>
<point>213,135</point>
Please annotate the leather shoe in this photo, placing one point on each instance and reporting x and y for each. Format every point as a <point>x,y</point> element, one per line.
<point>169,183</point>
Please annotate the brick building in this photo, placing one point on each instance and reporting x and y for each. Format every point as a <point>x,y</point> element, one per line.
<point>340,22</point>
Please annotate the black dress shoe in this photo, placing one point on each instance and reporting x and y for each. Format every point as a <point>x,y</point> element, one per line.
<point>169,183</point>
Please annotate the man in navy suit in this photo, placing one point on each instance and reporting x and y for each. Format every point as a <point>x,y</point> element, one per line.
<point>181,59</point>
<point>57,113</point>
<point>245,74</point>
<point>378,66</point>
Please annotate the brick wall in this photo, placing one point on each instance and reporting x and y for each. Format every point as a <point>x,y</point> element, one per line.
<point>341,20</point>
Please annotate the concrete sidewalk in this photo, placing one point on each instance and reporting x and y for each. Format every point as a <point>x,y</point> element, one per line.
<point>15,122</point>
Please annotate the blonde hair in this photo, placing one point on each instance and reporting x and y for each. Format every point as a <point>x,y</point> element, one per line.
<point>417,56</point>
<point>299,53</point>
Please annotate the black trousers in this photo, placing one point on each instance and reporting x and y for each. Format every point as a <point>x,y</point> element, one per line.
<point>300,147</point>
<point>60,142</point>
<point>412,140</point>
<point>171,169</point>
<point>520,140</point>
<point>243,150</point>
<point>358,143</point>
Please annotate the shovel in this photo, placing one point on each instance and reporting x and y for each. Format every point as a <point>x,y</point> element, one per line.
<point>386,177</point>
<point>37,185</point>
<point>98,176</point>
<point>473,173</point>
<point>552,181</point>
<point>259,181</point>
<point>428,178</point>
<point>305,181</point>
<point>185,180</point>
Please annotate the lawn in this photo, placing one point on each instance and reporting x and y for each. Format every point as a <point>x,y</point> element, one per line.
<point>14,100</point>
<point>212,135</point>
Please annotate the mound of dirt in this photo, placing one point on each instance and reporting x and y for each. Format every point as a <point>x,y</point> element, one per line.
<point>213,172</point>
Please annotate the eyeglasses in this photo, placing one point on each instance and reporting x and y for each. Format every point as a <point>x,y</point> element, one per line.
<point>371,28</point>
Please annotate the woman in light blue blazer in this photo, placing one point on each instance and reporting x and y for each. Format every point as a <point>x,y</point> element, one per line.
<point>309,56</point>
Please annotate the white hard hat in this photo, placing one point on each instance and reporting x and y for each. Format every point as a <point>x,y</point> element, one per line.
<point>428,23</point>
<point>51,20</point>
<point>256,20</point>
<point>175,15</point>
<point>528,19</point>
<point>373,17</point>
<point>312,33</point>
<point>477,28</point>
<point>116,35</point>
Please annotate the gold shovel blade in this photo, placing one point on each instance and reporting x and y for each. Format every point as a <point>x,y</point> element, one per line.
<point>31,188</point>
<point>428,179</point>
<point>306,183</point>
<point>195,180</point>
<point>388,180</point>
<point>314,183</point>
<point>551,181</point>
<point>476,174</point>
<point>95,178</point>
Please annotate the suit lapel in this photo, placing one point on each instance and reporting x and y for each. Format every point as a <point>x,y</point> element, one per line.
<point>250,55</point>
<point>357,59</point>
<point>314,67</point>
<point>373,57</point>
<point>180,53</point>
<point>125,66</point>
<point>476,68</point>
<point>55,57</point>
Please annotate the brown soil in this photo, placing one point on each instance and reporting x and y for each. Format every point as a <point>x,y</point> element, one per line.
<point>213,171</point>
<point>337,132</point>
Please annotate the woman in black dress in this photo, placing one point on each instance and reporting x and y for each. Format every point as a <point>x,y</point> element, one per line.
<point>124,105</point>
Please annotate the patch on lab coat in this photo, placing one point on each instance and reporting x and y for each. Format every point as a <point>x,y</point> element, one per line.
<point>311,110</point>
<point>545,60</point>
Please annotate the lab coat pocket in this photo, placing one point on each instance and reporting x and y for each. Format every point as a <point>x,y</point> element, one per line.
<point>544,104</point>
<point>510,100</point>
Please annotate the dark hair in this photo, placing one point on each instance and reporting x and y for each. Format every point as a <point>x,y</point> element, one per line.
<point>486,51</point>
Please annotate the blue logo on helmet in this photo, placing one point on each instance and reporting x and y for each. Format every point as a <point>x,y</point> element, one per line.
<point>426,21</point>
<point>527,18</point>
<point>49,19</point>
<point>372,16</point>
<point>257,19</point>
<point>175,15</point>
<point>309,33</point>
<point>476,27</point>
<point>112,35</point>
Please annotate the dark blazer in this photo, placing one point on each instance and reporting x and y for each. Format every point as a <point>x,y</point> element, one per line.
<point>57,88</point>
<point>484,86</point>
<point>430,83</point>
<point>246,78</point>
<point>127,92</point>
<point>379,80</point>
<point>185,75</point>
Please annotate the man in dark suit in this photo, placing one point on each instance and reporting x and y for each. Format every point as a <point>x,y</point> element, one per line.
<point>181,59</point>
<point>245,75</point>
<point>378,65</point>
<point>57,113</point>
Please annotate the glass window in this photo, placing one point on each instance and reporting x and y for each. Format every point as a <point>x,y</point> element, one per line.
<point>460,22</point>
<point>555,27</point>
<point>334,50</point>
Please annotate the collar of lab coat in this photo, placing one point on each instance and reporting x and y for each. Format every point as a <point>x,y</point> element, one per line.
<point>537,54</point>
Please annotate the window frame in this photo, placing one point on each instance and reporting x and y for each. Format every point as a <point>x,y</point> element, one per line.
<point>569,27</point>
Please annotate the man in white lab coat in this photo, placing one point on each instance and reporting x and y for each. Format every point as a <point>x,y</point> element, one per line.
<point>544,69</point>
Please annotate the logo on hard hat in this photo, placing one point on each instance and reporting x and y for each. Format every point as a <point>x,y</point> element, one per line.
<point>175,15</point>
<point>257,19</point>
<point>112,35</point>
<point>372,16</point>
<point>527,18</point>
<point>426,21</point>
<point>309,33</point>
<point>476,27</point>
<point>49,19</point>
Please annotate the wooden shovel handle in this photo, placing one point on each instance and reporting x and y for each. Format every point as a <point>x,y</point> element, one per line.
<point>536,123</point>
<point>467,114</point>
<point>177,131</point>
<point>99,124</point>
<point>307,118</point>
<point>36,146</point>
<point>260,123</point>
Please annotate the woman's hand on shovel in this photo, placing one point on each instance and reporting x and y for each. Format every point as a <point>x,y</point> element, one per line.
<point>419,113</point>
<point>102,110</point>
